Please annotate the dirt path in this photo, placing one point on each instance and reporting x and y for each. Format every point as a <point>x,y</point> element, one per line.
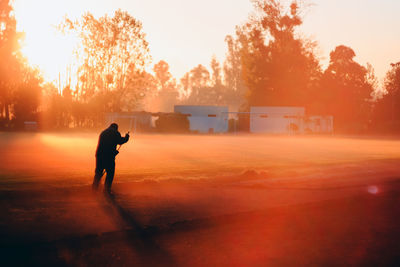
<point>319,221</point>
<point>201,201</point>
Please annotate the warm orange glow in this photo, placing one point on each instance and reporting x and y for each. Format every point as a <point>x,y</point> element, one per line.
<point>51,59</point>
<point>44,45</point>
<point>177,155</point>
<point>186,33</point>
<point>246,200</point>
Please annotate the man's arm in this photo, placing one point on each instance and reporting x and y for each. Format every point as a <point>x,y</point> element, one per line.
<point>122,140</point>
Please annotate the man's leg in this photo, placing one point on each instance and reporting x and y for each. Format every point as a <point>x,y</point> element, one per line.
<point>98,173</point>
<point>110,169</point>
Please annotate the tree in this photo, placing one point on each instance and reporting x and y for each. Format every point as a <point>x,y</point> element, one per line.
<point>218,93</point>
<point>167,95</point>
<point>20,85</point>
<point>216,77</point>
<point>392,80</point>
<point>185,83</point>
<point>347,91</point>
<point>387,106</point>
<point>278,68</point>
<point>236,89</point>
<point>199,77</point>
<point>162,74</point>
<point>9,58</point>
<point>199,84</point>
<point>113,52</point>
<point>27,95</point>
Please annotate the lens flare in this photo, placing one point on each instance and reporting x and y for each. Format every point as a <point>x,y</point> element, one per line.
<point>372,189</point>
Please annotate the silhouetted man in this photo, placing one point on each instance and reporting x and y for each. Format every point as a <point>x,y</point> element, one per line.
<point>105,155</point>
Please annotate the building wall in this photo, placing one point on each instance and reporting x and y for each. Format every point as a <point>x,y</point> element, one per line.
<point>277,120</point>
<point>130,120</point>
<point>319,124</point>
<point>205,119</point>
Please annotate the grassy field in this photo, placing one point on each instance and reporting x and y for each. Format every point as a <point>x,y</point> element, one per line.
<point>69,158</point>
<point>192,200</point>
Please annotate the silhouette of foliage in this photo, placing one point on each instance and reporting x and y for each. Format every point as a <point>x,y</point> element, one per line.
<point>111,56</point>
<point>113,53</point>
<point>267,64</point>
<point>167,93</point>
<point>236,89</point>
<point>199,86</point>
<point>347,91</point>
<point>20,85</point>
<point>387,106</point>
<point>278,67</point>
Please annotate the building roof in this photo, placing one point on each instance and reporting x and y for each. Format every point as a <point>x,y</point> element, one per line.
<point>278,110</point>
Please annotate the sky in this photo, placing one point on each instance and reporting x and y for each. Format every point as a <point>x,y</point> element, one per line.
<point>186,33</point>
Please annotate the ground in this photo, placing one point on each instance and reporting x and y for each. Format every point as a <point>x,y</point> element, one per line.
<point>240,200</point>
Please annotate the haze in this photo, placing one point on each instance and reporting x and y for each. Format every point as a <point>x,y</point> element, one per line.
<point>188,33</point>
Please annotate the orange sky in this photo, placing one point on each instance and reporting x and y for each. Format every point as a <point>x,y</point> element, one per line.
<point>187,32</point>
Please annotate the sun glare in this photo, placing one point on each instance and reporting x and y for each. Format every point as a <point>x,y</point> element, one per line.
<point>51,53</point>
<point>44,46</point>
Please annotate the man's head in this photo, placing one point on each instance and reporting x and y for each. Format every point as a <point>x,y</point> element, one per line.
<point>114,126</point>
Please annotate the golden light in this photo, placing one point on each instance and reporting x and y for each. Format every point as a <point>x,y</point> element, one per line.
<point>165,22</point>
<point>44,46</point>
<point>51,53</point>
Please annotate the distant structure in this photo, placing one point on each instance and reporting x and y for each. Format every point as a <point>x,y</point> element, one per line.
<point>288,120</point>
<point>30,126</point>
<point>277,120</point>
<point>218,119</point>
<point>205,119</point>
<point>318,124</point>
<point>130,121</point>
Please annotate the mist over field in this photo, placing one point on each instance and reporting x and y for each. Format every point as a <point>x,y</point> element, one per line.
<point>68,159</point>
<point>276,151</point>
<point>193,200</point>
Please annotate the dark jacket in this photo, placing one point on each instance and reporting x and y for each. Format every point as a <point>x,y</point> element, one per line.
<point>108,141</point>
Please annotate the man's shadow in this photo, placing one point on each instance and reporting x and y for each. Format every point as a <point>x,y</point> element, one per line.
<point>140,238</point>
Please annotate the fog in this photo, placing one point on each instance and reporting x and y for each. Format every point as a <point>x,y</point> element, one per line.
<point>196,200</point>
<point>68,159</point>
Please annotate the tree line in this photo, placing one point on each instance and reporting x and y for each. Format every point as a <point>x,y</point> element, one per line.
<point>267,63</point>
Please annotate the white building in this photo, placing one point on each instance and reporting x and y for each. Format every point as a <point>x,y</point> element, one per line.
<point>277,120</point>
<point>319,124</point>
<point>205,119</point>
<point>288,120</point>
